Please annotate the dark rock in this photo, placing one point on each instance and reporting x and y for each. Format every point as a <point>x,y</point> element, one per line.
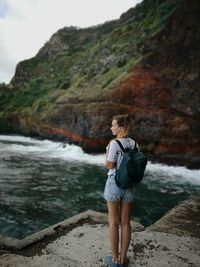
<point>82,77</point>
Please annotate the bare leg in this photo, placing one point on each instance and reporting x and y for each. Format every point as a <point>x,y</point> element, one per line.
<point>114,221</point>
<point>125,229</point>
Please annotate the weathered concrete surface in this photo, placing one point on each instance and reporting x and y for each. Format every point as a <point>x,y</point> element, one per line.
<point>57,229</point>
<point>85,242</point>
<point>87,245</point>
<point>183,220</point>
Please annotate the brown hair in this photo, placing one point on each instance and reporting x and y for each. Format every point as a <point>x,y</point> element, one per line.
<point>124,121</point>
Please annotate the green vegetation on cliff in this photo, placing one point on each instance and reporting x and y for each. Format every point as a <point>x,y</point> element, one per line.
<point>84,64</point>
<point>145,63</point>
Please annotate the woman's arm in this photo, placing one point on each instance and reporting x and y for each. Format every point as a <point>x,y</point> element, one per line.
<point>109,164</point>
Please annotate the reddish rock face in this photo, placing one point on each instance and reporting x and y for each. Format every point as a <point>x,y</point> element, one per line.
<point>161,92</point>
<point>141,89</point>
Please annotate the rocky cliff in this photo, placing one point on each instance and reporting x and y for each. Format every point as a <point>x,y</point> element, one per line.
<point>146,63</point>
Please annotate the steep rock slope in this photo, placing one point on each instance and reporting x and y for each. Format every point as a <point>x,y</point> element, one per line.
<point>165,85</point>
<point>145,63</point>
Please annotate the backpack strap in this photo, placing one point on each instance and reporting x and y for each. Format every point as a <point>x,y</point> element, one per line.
<point>135,147</point>
<point>121,146</point>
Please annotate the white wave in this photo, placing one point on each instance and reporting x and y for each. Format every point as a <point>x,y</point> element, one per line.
<point>18,138</point>
<point>175,174</point>
<point>51,149</point>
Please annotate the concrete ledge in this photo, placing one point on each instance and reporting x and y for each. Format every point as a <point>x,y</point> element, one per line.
<point>182,220</point>
<point>9,243</point>
<point>82,241</point>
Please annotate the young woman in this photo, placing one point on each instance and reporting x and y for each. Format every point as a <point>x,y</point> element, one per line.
<point>119,201</point>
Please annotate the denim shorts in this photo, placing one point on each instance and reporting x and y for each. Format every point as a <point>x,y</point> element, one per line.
<point>115,194</point>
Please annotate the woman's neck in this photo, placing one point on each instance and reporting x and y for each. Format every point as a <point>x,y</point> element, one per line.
<point>121,136</point>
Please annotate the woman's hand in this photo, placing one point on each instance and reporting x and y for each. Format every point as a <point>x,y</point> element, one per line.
<point>110,164</point>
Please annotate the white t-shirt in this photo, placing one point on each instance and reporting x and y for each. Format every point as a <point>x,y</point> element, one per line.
<point>115,153</point>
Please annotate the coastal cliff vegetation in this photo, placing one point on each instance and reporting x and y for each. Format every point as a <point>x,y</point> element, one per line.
<point>145,63</point>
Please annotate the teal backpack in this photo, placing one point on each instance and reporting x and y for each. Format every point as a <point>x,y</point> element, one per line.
<point>132,167</point>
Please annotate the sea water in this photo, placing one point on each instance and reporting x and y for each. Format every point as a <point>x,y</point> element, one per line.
<point>44,182</point>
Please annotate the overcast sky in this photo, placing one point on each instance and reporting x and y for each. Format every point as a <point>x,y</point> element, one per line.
<point>25,25</point>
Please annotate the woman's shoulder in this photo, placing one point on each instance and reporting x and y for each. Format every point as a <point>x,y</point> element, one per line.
<point>127,139</point>
<point>130,139</point>
<point>128,142</point>
<point>111,143</point>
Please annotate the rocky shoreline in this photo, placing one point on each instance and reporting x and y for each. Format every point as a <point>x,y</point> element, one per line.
<point>145,64</point>
<point>168,159</point>
<point>82,240</point>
